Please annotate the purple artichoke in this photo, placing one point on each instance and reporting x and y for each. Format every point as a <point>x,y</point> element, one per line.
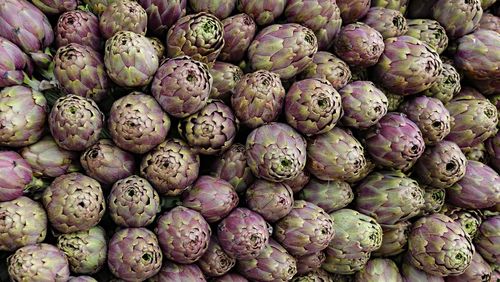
<point>446,86</point>
<point>183,234</point>
<point>353,10</point>
<point>123,15</point>
<point>174,272</point>
<point>394,240</point>
<point>239,31</point>
<point>79,27</point>
<point>298,182</point>
<point>310,263</point>
<point>326,66</point>
<point>17,176</point>
<point>398,5</point>
<point>15,64</point>
<point>490,21</point>
<point>215,262</point>
<point>329,195</point>
<point>430,32</point>
<point>271,200</point>
<point>55,6</point>
<point>470,220</point>
<point>225,78</point>
<point>219,8</point>
<point>230,277</point>
<point>232,167</point>
<point>493,148</point>
<point>389,22</point>
<point>413,274</point>
<point>479,270</point>
<point>379,269</point>
<point>162,14</point>
<point>487,239</point>
<point>458,17</point>
<point>263,12</point>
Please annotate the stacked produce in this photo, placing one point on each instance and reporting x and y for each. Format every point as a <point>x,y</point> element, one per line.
<point>250,140</point>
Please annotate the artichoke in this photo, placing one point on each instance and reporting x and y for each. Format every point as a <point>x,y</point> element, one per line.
<point>458,17</point>
<point>433,200</point>
<point>430,32</point>
<point>312,106</point>
<point>407,66</point>
<point>230,277</point>
<point>263,13</point>
<point>487,239</point>
<point>182,86</point>
<point>23,113</point>
<point>158,46</point>
<point>232,167</point>
<point>17,176</point>
<point>329,195</point>
<point>493,148</point>
<point>271,200</point>
<point>258,98</point>
<point>133,202</point>
<point>394,240</point>
<point>219,8</point>
<point>431,117</point>
<point>74,202</point>
<point>15,64</point>
<point>243,234</point>
<point>379,270</point>
<point>363,103</point>
<point>327,158</point>
<point>356,236</point>
<point>171,167</point>
<point>215,262</point>
<point>395,142</point>
<point>85,250</point>
<point>276,152</point>
<point>97,6</point>
<point>55,6</point>
<point>470,220</point>
<point>353,10</point>
<point>272,264</point>
<point>200,36</point>
<point>239,31</point>
<point>82,278</point>
<point>398,5</point>
<point>75,122</point>
<point>389,22</point>
<point>441,165</point>
<point>439,246</point>
<point>298,182</point>
<point>326,66</point>
<point>130,59</point>
<point>211,130</point>
<point>38,262</point>
<point>490,21</point>
<point>80,70</point>
<point>446,86</point>
<point>123,15</point>
<point>183,234</point>
<point>78,27</point>
<point>212,197</point>
<point>137,123</point>
<point>310,263</point>
<point>286,49</point>
<point>306,230</point>
<point>479,270</point>
<point>225,78</point>
<point>478,189</point>
<point>413,274</point>
<point>134,254</point>
<point>359,45</point>
<point>22,222</point>
<point>174,272</point>
<point>162,14</point>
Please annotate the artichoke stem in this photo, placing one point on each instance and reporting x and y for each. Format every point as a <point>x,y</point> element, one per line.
<point>168,203</point>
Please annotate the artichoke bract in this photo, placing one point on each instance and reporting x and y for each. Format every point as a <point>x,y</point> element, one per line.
<point>274,263</point>
<point>353,10</point>
<point>329,195</point>
<point>487,239</point>
<point>130,59</point>
<point>441,165</point>
<point>134,254</point>
<point>133,202</point>
<point>276,152</point>
<point>446,86</point>
<point>286,49</point>
<point>79,70</point>
<point>232,167</point>
<point>433,200</point>
<point>171,271</point>
<point>211,130</point>
<point>470,220</point>
<point>478,189</point>
<point>55,6</point>
<point>74,202</point>
<point>356,236</point>
<point>407,66</point>
<point>326,66</point>
<point>199,36</point>
<point>23,222</point>
<point>107,163</point>
<point>306,230</point>
<point>394,240</point>
<point>212,197</point>
<point>379,270</point>
<point>137,123</point>
<point>439,246</point>
<point>270,199</point>
<point>182,86</point>
<point>239,31</point>
<point>430,32</point>
<point>359,45</point>
<point>395,142</point>
<point>215,262</point>
<point>39,262</point>
<point>389,197</point>
<point>75,122</point>
<point>312,106</point>
<point>389,22</point>
<point>78,27</point>
<point>85,250</point>
<point>158,46</point>
<point>17,175</point>
<point>124,15</point>
<point>490,21</point>
<point>263,13</point>
<point>225,78</point>
<point>458,17</point>
<point>219,8</point>
<point>82,278</point>
<point>315,275</point>
<point>258,98</point>
<point>230,277</point>
<point>243,234</point>
<point>398,5</point>
<point>183,234</point>
<point>15,64</point>
<point>298,182</point>
<point>479,270</point>
<point>310,263</point>
<point>327,158</point>
<point>23,113</point>
<point>413,274</point>
<point>171,167</point>
<point>493,148</point>
<point>363,104</point>
<point>163,14</point>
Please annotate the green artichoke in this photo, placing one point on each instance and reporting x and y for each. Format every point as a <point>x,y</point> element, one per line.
<point>232,167</point>
<point>446,86</point>
<point>470,220</point>
<point>263,13</point>
<point>215,262</point>
<point>125,15</point>
<point>327,66</point>
<point>479,270</point>
<point>458,17</point>
<point>353,10</point>
<point>389,22</point>
<point>271,200</point>
<point>85,250</point>
<point>314,276</point>
<point>394,240</point>
<point>398,5</point>
<point>379,270</point>
<point>433,200</point>
<point>430,32</point>
<point>239,31</point>
<point>487,239</point>
<point>329,195</point>
<point>225,78</point>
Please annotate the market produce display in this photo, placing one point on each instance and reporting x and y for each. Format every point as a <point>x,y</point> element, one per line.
<point>250,140</point>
